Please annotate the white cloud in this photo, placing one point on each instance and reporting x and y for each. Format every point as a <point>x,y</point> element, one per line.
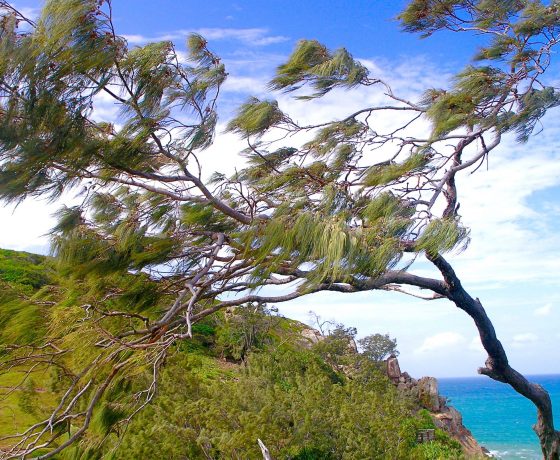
<point>137,39</point>
<point>545,310</point>
<point>246,85</point>
<point>524,339</point>
<point>26,227</point>
<point>250,36</point>
<point>476,345</point>
<point>440,341</point>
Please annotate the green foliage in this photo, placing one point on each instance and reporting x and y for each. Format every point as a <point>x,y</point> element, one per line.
<point>28,398</point>
<point>255,117</point>
<point>382,175</point>
<point>24,269</point>
<point>426,16</point>
<point>429,16</point>
<point>24,296</point>
<point>287,398</point>
<point>336,250</point>
<point>243,330</point>
<point>334,136</point>
<point>436,451</point>
<point>21,321</point>
<point>322,214</point>
<point>297,400</point>
<point>107,416</point>
<point>313,64</point>
<point>514,29</point>
<point>442,235</point>
<point>534,105</point>
<point>442,448</point>
<point>338,346</point>
<point>200,216</point>
<point>378,347</point>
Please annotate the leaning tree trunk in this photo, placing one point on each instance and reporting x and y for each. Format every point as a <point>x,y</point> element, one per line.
<point>497,366</point>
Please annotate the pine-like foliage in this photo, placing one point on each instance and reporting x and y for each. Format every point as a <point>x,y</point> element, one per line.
<point>345,204</point>
<point>312,62</point>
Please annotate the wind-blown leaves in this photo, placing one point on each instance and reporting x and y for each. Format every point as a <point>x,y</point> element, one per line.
<point>155,246</point>
<point>384,174</point>
<point>255,117</point>
<point>429,16</point>
<point>311,63</point>
<point>442,235</point>
<point>534,105</point>
<point>325,242</point>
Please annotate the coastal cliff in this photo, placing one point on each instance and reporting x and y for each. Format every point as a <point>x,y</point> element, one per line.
<point>424,392</point>
<point>445,417</point>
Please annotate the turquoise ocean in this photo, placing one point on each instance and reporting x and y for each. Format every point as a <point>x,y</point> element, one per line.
<point>498,417</point>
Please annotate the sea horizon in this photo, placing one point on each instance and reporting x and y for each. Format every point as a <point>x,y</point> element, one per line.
<point>480,376</point>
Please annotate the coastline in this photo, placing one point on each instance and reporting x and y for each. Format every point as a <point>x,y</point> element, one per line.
<point>498,417</point>
<point>445,417</point>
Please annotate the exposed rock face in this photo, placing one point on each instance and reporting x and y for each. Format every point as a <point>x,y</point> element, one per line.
<point>393,369</point>
<point>428,393</point>
<point>451,420</point>
<point>424,390</point>
<point>311,335</point>
<point>445,417</point>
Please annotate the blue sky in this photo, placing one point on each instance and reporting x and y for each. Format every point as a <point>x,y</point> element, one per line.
<point>513,208</point>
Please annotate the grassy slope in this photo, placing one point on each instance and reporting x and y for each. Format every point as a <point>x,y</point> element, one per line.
<point>21,276</point>
<point>24,269</point>
<point>25,283</point>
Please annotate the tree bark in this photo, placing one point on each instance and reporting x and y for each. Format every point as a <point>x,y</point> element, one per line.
<point>497,366</point>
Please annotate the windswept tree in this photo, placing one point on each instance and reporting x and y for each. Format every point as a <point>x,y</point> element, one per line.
<point>157,247</point>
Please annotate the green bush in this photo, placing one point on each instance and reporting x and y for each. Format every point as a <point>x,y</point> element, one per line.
<point>290,399</point>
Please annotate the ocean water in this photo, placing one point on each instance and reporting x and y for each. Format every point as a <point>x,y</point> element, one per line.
<point>498,417</point>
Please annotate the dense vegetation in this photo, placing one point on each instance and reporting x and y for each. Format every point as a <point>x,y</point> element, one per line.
<point>351,209</point>
<point>247,374</point>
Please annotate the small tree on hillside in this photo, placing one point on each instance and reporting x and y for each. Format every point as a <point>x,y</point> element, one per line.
<point>378,347</point>
<point>337,213</point>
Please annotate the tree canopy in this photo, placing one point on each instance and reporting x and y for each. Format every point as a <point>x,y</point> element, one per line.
<point>161,247</point>
<point>378,347</point>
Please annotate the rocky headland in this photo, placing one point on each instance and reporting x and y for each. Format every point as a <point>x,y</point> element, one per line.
<point>425,390</point>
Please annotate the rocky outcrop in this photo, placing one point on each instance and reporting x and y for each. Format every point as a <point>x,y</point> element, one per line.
<point>450,419</point>
<point>311,336</point>
<point>425,391</point>
<point>393,369</point>
<point>445,417</point>
<point>428,394</point>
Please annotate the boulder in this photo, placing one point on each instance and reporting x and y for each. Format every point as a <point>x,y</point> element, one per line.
<point>428,394</point>
<point>393,369</point>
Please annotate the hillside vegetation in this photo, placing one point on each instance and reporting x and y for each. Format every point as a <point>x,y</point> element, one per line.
<point>247,374</point>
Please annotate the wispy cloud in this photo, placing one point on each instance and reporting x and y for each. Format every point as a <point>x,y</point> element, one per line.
<point>524,339</point>
<point>250,37</point>
<point>545,310</point>
<point>440,341</point>
<point>247,85</point>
